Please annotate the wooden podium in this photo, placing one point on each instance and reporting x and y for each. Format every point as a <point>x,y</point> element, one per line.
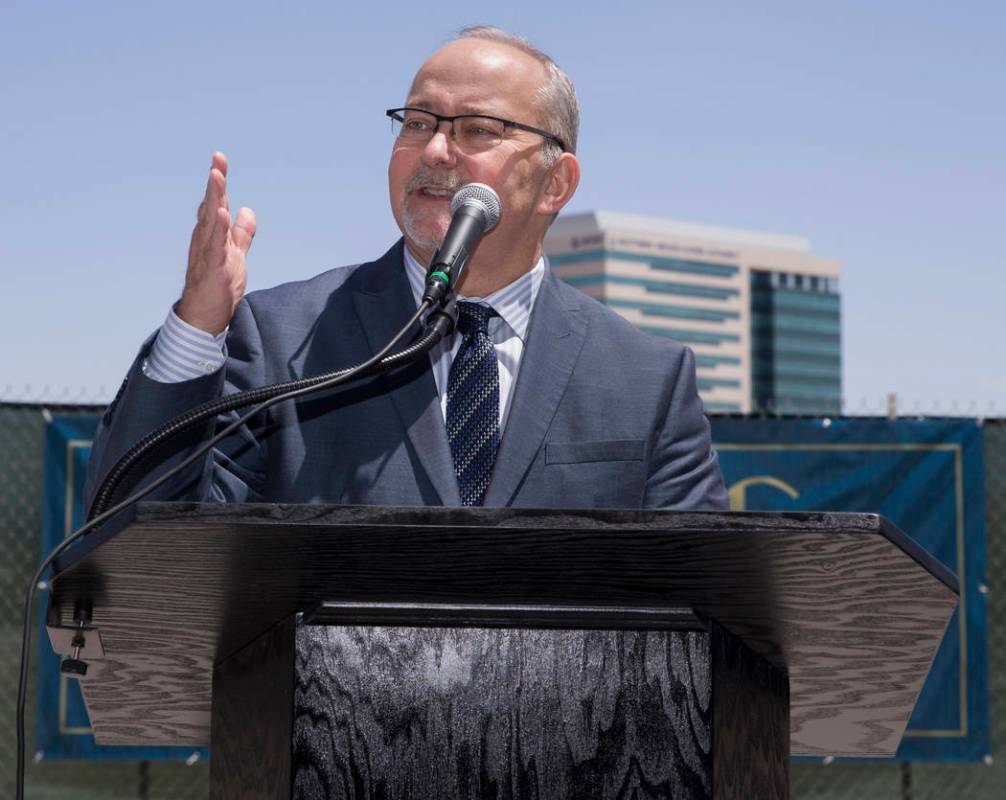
<point>334,651</point>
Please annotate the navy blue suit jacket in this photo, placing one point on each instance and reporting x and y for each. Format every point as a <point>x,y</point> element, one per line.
<point>603,415</point>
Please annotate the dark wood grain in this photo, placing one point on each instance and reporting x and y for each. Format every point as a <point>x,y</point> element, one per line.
<point>476,713</point>
<point>844,602</point>
<point>252,723</point>
<point>750,720</point>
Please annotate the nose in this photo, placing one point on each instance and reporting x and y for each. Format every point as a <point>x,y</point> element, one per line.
<point>441,150</point>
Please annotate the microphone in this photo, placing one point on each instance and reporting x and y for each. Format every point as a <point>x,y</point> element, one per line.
<point>475,210</point>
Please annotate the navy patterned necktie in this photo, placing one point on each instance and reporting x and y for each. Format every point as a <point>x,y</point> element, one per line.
<point>473,402</point>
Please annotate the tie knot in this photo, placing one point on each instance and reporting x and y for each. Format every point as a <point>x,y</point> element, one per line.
<point>474,318</point>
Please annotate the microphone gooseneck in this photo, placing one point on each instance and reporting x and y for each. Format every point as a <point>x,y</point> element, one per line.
<point>475,210</point>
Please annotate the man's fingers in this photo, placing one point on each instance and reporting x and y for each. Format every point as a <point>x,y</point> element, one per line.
<point>213,224</point>
<point>221,227</point>
<point>214,197</point>
<point>219,162</point>
<point>216,186</point>
<point>216,189</point>
<point>214,200</point>
<point>243,230</point>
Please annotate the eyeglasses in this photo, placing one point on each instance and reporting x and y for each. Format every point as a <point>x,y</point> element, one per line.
<point>471,131</point>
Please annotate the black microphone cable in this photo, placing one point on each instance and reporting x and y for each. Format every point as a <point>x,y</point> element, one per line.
<point>439,324</point>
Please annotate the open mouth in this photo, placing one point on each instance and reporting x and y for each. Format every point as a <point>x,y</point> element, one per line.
<point>436,192</point>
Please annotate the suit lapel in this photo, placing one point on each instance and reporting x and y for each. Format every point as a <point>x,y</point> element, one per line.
<point>555,337</point>
<point>383,301</point>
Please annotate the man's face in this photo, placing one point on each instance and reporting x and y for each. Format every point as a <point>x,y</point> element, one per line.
<point>470,76</point>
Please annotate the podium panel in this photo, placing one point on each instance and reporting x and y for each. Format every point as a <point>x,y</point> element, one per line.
<point>325,711</point>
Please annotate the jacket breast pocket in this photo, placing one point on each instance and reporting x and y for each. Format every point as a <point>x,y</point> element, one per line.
<point>609,474</point>
<point>590,452</point>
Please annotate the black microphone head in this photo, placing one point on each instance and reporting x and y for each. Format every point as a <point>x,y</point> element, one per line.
<point>482,197</point>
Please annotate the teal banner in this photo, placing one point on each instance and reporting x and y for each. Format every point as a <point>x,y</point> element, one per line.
<point>63,730</point>
<point>926,476</point>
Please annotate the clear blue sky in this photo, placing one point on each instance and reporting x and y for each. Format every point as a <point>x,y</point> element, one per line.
<point>876,130</point>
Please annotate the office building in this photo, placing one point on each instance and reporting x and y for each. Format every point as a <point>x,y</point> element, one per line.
<point>759,310</point>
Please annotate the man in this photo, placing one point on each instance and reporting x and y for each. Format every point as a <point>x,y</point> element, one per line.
<point>550,398</point>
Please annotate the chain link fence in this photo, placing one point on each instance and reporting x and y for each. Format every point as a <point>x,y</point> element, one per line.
<point>22,430</point>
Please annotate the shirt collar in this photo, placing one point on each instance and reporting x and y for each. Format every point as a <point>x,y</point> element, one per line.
<point>513,302</point>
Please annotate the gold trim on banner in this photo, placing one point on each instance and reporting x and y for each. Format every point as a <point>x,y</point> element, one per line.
<point>962,617</point>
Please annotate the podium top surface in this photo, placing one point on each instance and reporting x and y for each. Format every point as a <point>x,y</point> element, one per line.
<point>846,603</point>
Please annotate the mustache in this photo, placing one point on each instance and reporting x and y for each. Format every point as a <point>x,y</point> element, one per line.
<point>433,179</point>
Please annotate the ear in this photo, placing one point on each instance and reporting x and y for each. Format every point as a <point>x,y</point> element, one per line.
<point>564,177</point>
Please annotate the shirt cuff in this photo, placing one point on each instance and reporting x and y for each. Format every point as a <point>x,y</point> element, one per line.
<point>181,352</point>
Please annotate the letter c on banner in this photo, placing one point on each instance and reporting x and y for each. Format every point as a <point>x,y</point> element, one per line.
<point>738,491</point>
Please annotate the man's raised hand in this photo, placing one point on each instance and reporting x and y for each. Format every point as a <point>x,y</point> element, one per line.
<point>216,276</point>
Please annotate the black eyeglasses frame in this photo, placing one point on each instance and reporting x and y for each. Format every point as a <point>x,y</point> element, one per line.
<point>397,115</point>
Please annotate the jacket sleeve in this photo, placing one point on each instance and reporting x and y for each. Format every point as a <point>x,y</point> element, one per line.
<point>684,470</point>
<point>234,470</point>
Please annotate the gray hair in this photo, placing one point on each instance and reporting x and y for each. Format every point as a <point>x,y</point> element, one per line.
<point>557,101</point>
